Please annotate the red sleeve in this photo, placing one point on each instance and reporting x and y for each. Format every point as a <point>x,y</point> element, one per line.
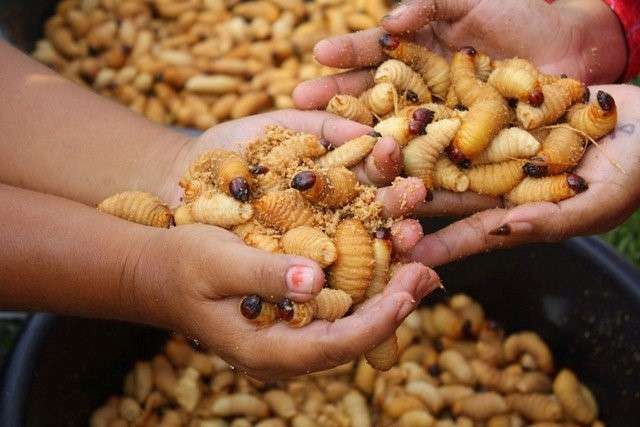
<point>628,12</point>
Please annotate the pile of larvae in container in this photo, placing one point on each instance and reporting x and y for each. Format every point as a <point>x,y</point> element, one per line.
<point>456,369</point>
<point>493,127</point>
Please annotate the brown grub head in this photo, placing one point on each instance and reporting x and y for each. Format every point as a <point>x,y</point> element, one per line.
<point>382,233</point>
<point>586,95</point>
<point>411,96</point>
<point>303,180</point>
<point>535,169</point>
<point>251,306</point>
<point>457,156</point>
<point>285,309</point>
<point>326,144</point>
<point>606,101</point>
<point>577,183</point>
<point>423,114</point>
<point>429,197</point>
<point>468,50</point>
<point>389,42</point>
<point>461,107</point>
<point>239,189</point>
<point>258,169</point>
<point>375,134</point>
<point>536,98</point>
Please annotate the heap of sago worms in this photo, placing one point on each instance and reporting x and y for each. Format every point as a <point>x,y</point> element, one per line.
<point>456,369</point>
<point>493,127</point>
<point>289,193</point>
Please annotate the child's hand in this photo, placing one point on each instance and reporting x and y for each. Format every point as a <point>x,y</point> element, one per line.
<point>192,278</point>
<point>581,38</point>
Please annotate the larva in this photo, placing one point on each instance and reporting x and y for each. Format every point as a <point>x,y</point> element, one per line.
<point>202,167</point>
<point>529,343</point>
<point>495,179</point>
<point>549,189</point>
<point>402,128</point>
<point>382,258</point>
<point>139,207</point>
<point>510,143</point>
<point>416,418</point>
<point>534,382</point>
<point>215,208</point>
<point>259,312</point>
<point>353,270</point>
<point>492,378</point>
<point>311,243</point>
<point>332,304</point>
<point>421,154</point>
<point>397,402</point>
<point>481,406</point>
<point>451,100</point>
<point>380,99</point>
<point>293,149</point>
<point>518,79</point>
<point>433,68</point>
<point>365,377</point>
<point>483,65</point>
<point>558,96</point>
<point>468,88</point>
<point>403,78</point>
<point>281,403</point>
<point>234,177</point>
<point>296,314</point>
<point>576,399</point>
<point>596,119</point>
<point>357,410</point>
<point>439,111</point>
<point>351,108</point>
<point>239,404</point>
<point>385,355</point>
<point>506,420</point>
<point>446,322</point>
<point>331,188</point>
<point>454,392</point>
<point>561,150</point>
<point>348,154</point>
<point>284,210</point>
<point>482,123</point>
<point>470,311</point>
<point>455,363</point>
<point>195,188</point>
<point>265,242</point>
<point>535,406</point>
<point>428,393</point>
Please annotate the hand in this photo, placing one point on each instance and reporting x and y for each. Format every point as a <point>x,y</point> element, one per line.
<point>581,38</point>
<point>192,277</point>
<point>612,196</point>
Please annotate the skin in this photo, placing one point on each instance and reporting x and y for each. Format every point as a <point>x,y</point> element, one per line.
<point>65,149</point>
<point>587,41</point>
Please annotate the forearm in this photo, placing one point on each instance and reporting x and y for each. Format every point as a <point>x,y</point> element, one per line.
<point>61,139</point>
<point>62,256</point>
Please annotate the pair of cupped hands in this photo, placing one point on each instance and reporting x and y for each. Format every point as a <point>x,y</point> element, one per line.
<point>216,269</point>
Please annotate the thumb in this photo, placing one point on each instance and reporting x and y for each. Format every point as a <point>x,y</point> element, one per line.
<point>240,270</point>
<point>411,15</point>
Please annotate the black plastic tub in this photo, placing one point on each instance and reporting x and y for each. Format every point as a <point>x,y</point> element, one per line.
<point>580,296</point>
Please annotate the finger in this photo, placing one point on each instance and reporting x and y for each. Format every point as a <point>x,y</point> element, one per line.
<point>411,15</point>
<point>449,203</point>
<point>316,93</point>
<point>382,165</point>
<point>354,50</point>
<point>239,270</point>
<point>405,235</point>
<point>401,197</point>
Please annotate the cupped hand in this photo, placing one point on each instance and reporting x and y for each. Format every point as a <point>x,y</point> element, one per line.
<point>195,275</point>
<point>580,38</point>
<point>611,169</point>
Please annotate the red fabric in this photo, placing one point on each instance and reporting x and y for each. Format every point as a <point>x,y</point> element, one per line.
<point>628,12</point>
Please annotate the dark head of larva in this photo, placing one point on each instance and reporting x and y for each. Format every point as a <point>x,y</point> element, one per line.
<point>250,306</point>
<point>239,189</point>
<point>461,107</point>
<point>258,169</point>
<point>303,180</point>
<point>429,197</point>
<point>375,134</point>
<point>577,183</point>
<point>457,157</point>
<point>535,170</point>
<point>382,233</point>
<point>468,50</point>
<point>606,101</point>
<point>563,76</point>
<point>389,42</point>
<point>285,309</point>
<point>586,95</point>
<point>424,115</point>
<point>326,144</point>
<point>513,102</point>
<point>536,98</point>
<point>411,96</point>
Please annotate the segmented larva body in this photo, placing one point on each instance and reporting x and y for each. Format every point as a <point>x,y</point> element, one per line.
<point>510,143</point>
<point>481,124</point>
<point>260,313</point>
<point>293,150</point>
<point>535,406</point>
<point>529,343</point>
<point>202,168</point>
<point>561,150</point>
<point>357,410</point>
<point>483,65</point>
<point>195,188</point>
<point>215,208</point>
<point>380,99</point>
<point>351,108</point>
<point>495,179</point>
<point>440,111</point>
<point>240,404</point>
<point>454,392</point>
<point>433,68</point>
<point>332,304</point>
<point>382,258</point>
<point>139,207</point>
<point>284,210</point>
<point>256,235</point>
<point>596,119</point>
<point>451,100</point>
<point>332,188</point>
<point>516,78</point>
<point>353,270</point>
<point>481,406</point>
<point>448,177</point>
<point>427,392</point>
<point>281,403</point>
<point>416,418</point>
<point>492,378</point>
<point>396,127</point>
<point>421,154</point>
<point>576,399</point>
<point>299,314</point>
<point>348,154</point>
<point>455,363</point>
<point>558,96</point>
<point>385,355</point>
<point>549,189</point>
<point>468,88</point>
<point>403,78</point>
<point>311,243</point>
<point>233,177</point>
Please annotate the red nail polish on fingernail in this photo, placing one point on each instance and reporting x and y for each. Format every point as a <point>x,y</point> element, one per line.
<point>503,230</point>
<point>299,279</point>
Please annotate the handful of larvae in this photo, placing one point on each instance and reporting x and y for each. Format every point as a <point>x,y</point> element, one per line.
<point>493,127</point>
<point>289,193</point>
<point>456,369</point>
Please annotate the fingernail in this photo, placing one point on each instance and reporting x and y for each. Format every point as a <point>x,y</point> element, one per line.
<point>503,230</point>
<point>427,285</point>
<point>406,307</point>
<point>299,279</point>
